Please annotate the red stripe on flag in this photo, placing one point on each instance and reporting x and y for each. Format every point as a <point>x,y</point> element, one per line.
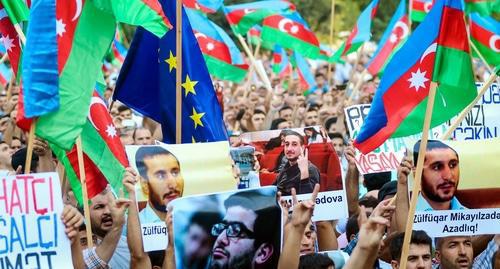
<point>95,180</point>
<point>450,34</point>
<point>234,17</point>
<point>213,47</point>
<point>67,17</point>
<point>348,43</point>
<point>292,28</point>
<point>422,6</point>
<point>481,35</point>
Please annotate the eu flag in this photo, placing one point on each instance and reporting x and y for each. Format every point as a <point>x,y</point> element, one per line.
<point>147,83</point>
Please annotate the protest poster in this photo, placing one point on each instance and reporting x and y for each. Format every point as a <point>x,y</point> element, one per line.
<point>389,155</point>
<point>457,197</point>
<point>168,172</point>
<point>31,231</point>
<point>245,162</point>
<point>323,167</point>
<point>202,225</point>
<point>483,120</point>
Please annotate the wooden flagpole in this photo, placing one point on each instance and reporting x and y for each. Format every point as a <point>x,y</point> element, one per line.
<point>466,111</point>
<point>263,76</point>
<point>19,31</point>
<point>410,5</point>
<point>4,57</point>
<point>481,56</point>
<point>178,72</point>
<point>83,180</point>
<point>250,72</point>
<point>29,152</point>
<point>357,86</point>
<point>11,82</point>
<point>418,174</point>
<point>353,70</point>
<point>330,43</point>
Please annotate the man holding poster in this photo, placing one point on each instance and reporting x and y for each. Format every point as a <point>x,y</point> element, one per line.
<point>299,172</point>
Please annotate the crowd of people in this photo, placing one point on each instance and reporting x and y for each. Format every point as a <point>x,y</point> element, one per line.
<point>371,236</point>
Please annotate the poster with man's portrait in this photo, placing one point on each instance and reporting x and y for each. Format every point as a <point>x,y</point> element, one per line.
<point>168,172</point>
<point>237,229</point>
<point>299,158</point>
<point>460,194</point>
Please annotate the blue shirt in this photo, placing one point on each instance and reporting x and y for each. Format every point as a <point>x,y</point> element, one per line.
<point>148,215</point>
<point>423,205</point>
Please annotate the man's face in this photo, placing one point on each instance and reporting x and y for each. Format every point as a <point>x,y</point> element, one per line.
<point>311,118</point>
<point>455,252</point>
<point>419,257</point>
<point>293,147</point>
<point>15,145</point>
<point>164,182</point>
<point>5,154</point>
<point>198,244</point>
<point>284,125</point>
<point>308,240</point>
<point>100,213</point>
<point>126,114</point>
<point>320,80</point>
<point>258,120</point>
<point>286,114</point>
<point>338,145</point>
<point>235,252</point>
<point>143,137</point>
<point>441,175</point>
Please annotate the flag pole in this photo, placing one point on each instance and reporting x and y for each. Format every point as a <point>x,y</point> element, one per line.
<point>466,111</point>
<point>330,42</point>
<point>178,72</point>
<point>12,80</point>
<point>418,174</point>
<point>19,31</point>
<point>262,75</point>
<point>357,86</point>
<point>4,57</point>
<point>252,69</point>
<point>83,180</point>
<point>481,56</point>
<point>358,58</point>
<point>410,4</point>
<point>29,153</point>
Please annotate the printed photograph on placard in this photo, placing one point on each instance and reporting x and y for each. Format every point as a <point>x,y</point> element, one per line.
<point>460,194</point>
<point>168,172</point>
<point>300,158</point>
<point>245,167</point>
<point>237,229</point>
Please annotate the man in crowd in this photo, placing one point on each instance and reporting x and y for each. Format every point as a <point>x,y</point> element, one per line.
<point>420,251</point>
<point>5,158</point>
<point>248,237</point>
<point>298,172</point>
<point>312,117</point>
<point>142,136</point>
<point>454,252</point>
<point>161,181</point>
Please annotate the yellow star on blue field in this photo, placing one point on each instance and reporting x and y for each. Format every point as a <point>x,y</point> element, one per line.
<point>188,85</point>
<point>196,117</point>
<point>171,61</point>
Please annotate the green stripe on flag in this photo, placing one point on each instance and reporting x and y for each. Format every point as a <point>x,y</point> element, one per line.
<point>73,179</point>
<point>484,8</point>
<point>287,41</point>
<point>93,36</point>
<point>223,70</point>
<point>460,76</point>
<point>249,20</point>
<point>417,15</point>
<point>17,10</point>
<point>489,55</point>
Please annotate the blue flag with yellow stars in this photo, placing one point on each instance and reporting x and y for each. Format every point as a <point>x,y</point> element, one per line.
<point>147,83</point>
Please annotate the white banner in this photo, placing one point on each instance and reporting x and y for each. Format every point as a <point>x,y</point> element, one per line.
<point>329,205</point>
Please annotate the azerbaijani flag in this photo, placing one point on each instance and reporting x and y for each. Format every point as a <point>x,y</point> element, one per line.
<point>205,6</point>
<point>242,17</point>
<point>66,43</point>
<point>281,65</point>
<point>483,7</point>
<point>485,34</point>
<point>395,33</point>
<point>306,78</point>
<point>10,39</point>
<point>290,31</point>
<point>118,52</point>
<point>437,51</point>
<point>420,8</point>
<point>222,56</point>
<point>5,74</point>
<point>104,155</point>
<point>254,35</point>
<point>361,32</point>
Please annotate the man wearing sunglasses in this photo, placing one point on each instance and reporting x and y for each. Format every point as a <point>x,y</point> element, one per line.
<point>249,235</point>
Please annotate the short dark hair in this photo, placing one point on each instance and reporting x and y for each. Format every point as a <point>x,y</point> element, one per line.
<point>315,261</point>
<point>330,121</point>
<point>137,129</point>
<point>276,122</point>
<point>336,135</point>
<point>368,201</point>
<point>205,220</point>
<point>258,111</point>
<point>123,108</point>
<point>375,181</point>
<point>431,145</point>
<point>267,225</point>
<point>417,238</point>
<point>284,108</point>
<point>290,132</point>
<point>352,226</point>
<point>148,152</point>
